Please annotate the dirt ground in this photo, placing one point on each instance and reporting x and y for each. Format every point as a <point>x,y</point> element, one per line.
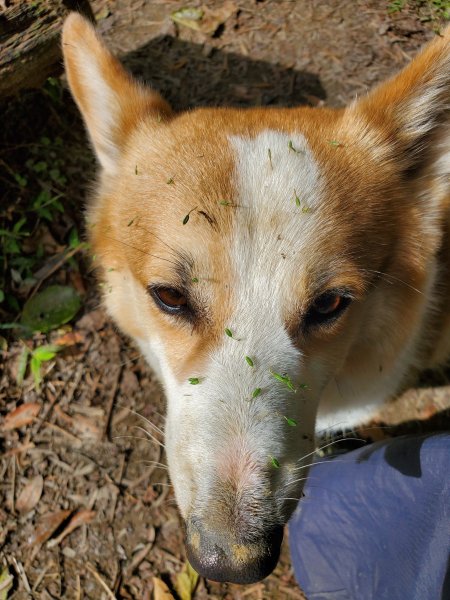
<point>86,507</point>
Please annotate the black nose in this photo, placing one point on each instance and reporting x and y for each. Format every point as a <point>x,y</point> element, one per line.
<point>220,559</point>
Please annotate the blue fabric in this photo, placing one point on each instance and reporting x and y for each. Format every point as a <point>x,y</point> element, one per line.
<point>375,523</point>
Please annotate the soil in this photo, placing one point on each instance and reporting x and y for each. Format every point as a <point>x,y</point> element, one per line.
<point>86,507</point>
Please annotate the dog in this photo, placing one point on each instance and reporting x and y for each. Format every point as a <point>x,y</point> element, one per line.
<point>282,270</point>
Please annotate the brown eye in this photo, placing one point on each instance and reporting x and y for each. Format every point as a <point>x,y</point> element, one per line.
<point>168,299</point>
<point>327,303</point>
<point>326,308</point>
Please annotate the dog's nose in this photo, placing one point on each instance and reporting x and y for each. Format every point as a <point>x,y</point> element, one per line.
<point>219,559</point>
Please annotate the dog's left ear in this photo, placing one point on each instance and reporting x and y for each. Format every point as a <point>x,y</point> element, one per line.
<point>111,102</point>
<point>406,118</point>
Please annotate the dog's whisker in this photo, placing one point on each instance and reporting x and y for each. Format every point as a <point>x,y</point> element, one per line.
<point>388,276</point>
<point>134,437</point>
<point>319,448</point>
<point>176,263</point>
<point>145,419</point>
<point>152,462</point>
<point>149,435</point>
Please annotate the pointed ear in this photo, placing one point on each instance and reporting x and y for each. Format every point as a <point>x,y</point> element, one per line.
<point>111,102</point>
<point>407,117</point>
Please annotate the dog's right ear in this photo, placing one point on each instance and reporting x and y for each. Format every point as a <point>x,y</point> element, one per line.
<point>111,102</point>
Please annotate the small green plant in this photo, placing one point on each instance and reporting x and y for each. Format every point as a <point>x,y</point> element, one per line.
<point>249,361</point>
<point>256,393</point>
<point>225,203</point>
<point>228,332</point>
<point>194,280</point>
<point>396,6</point>
<point>194,380</point>
<point>35,358</point>
<point>291,422</point>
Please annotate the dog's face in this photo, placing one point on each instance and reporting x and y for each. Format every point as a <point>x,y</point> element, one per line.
<point>254,256</point>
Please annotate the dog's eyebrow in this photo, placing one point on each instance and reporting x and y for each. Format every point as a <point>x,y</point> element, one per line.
<point>211,220</point>
<point>184,267</point>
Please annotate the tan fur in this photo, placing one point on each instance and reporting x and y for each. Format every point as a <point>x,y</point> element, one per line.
<point>198,139</point>
<point>382,231</point>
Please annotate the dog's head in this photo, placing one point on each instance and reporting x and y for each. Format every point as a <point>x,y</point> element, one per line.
<point>255,256</point>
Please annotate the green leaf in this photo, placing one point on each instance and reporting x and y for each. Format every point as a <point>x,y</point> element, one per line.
<point>22,181</point>
<point>285,379</point>
<point>40,166</point>
<point>51,308</point>
<point>47,352</point>
<point>194,280</point>
<point>256,392</point>
<point>249,361</point>
<point>186,219</point>
<point>22,365</point>
<point>274,462</point>
<point>228,332</point>
<point>18,226</point>
<point>35,366</point>
<point>291,422</point>
<point>74,240</point>
<point>194,380</point>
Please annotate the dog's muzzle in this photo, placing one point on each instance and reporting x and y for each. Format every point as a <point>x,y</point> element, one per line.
<point>219,559</point>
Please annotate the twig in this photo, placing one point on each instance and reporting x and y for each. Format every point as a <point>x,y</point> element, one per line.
<point>42,575</point>
<point>13,484</point>
<point>100,581</point>
<point>55,268</point>
<point>21,572</point>
<point>110,405</point>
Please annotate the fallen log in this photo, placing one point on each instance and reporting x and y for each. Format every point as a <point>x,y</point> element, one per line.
<point>30,40</point>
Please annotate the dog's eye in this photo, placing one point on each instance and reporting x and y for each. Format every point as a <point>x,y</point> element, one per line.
<point>326,308</point>
<point>168,299</point>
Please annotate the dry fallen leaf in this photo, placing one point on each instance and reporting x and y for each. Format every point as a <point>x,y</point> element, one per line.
<point>160,590</point>
<point>69,339</point>
<point>6,583</point>
<point>186,582</point>
<point>30,495</point>
<point>82,517</point>
<point>23,415</point>
<point>205,19</point>
<point>85,426</point>
<point>47,525</point>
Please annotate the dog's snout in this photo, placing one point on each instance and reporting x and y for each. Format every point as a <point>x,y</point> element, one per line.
<point>221,558</point>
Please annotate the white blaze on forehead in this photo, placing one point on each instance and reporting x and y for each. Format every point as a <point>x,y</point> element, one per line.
<point>266,247</point>
<point>278,189</point>
<point>217,419</point>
